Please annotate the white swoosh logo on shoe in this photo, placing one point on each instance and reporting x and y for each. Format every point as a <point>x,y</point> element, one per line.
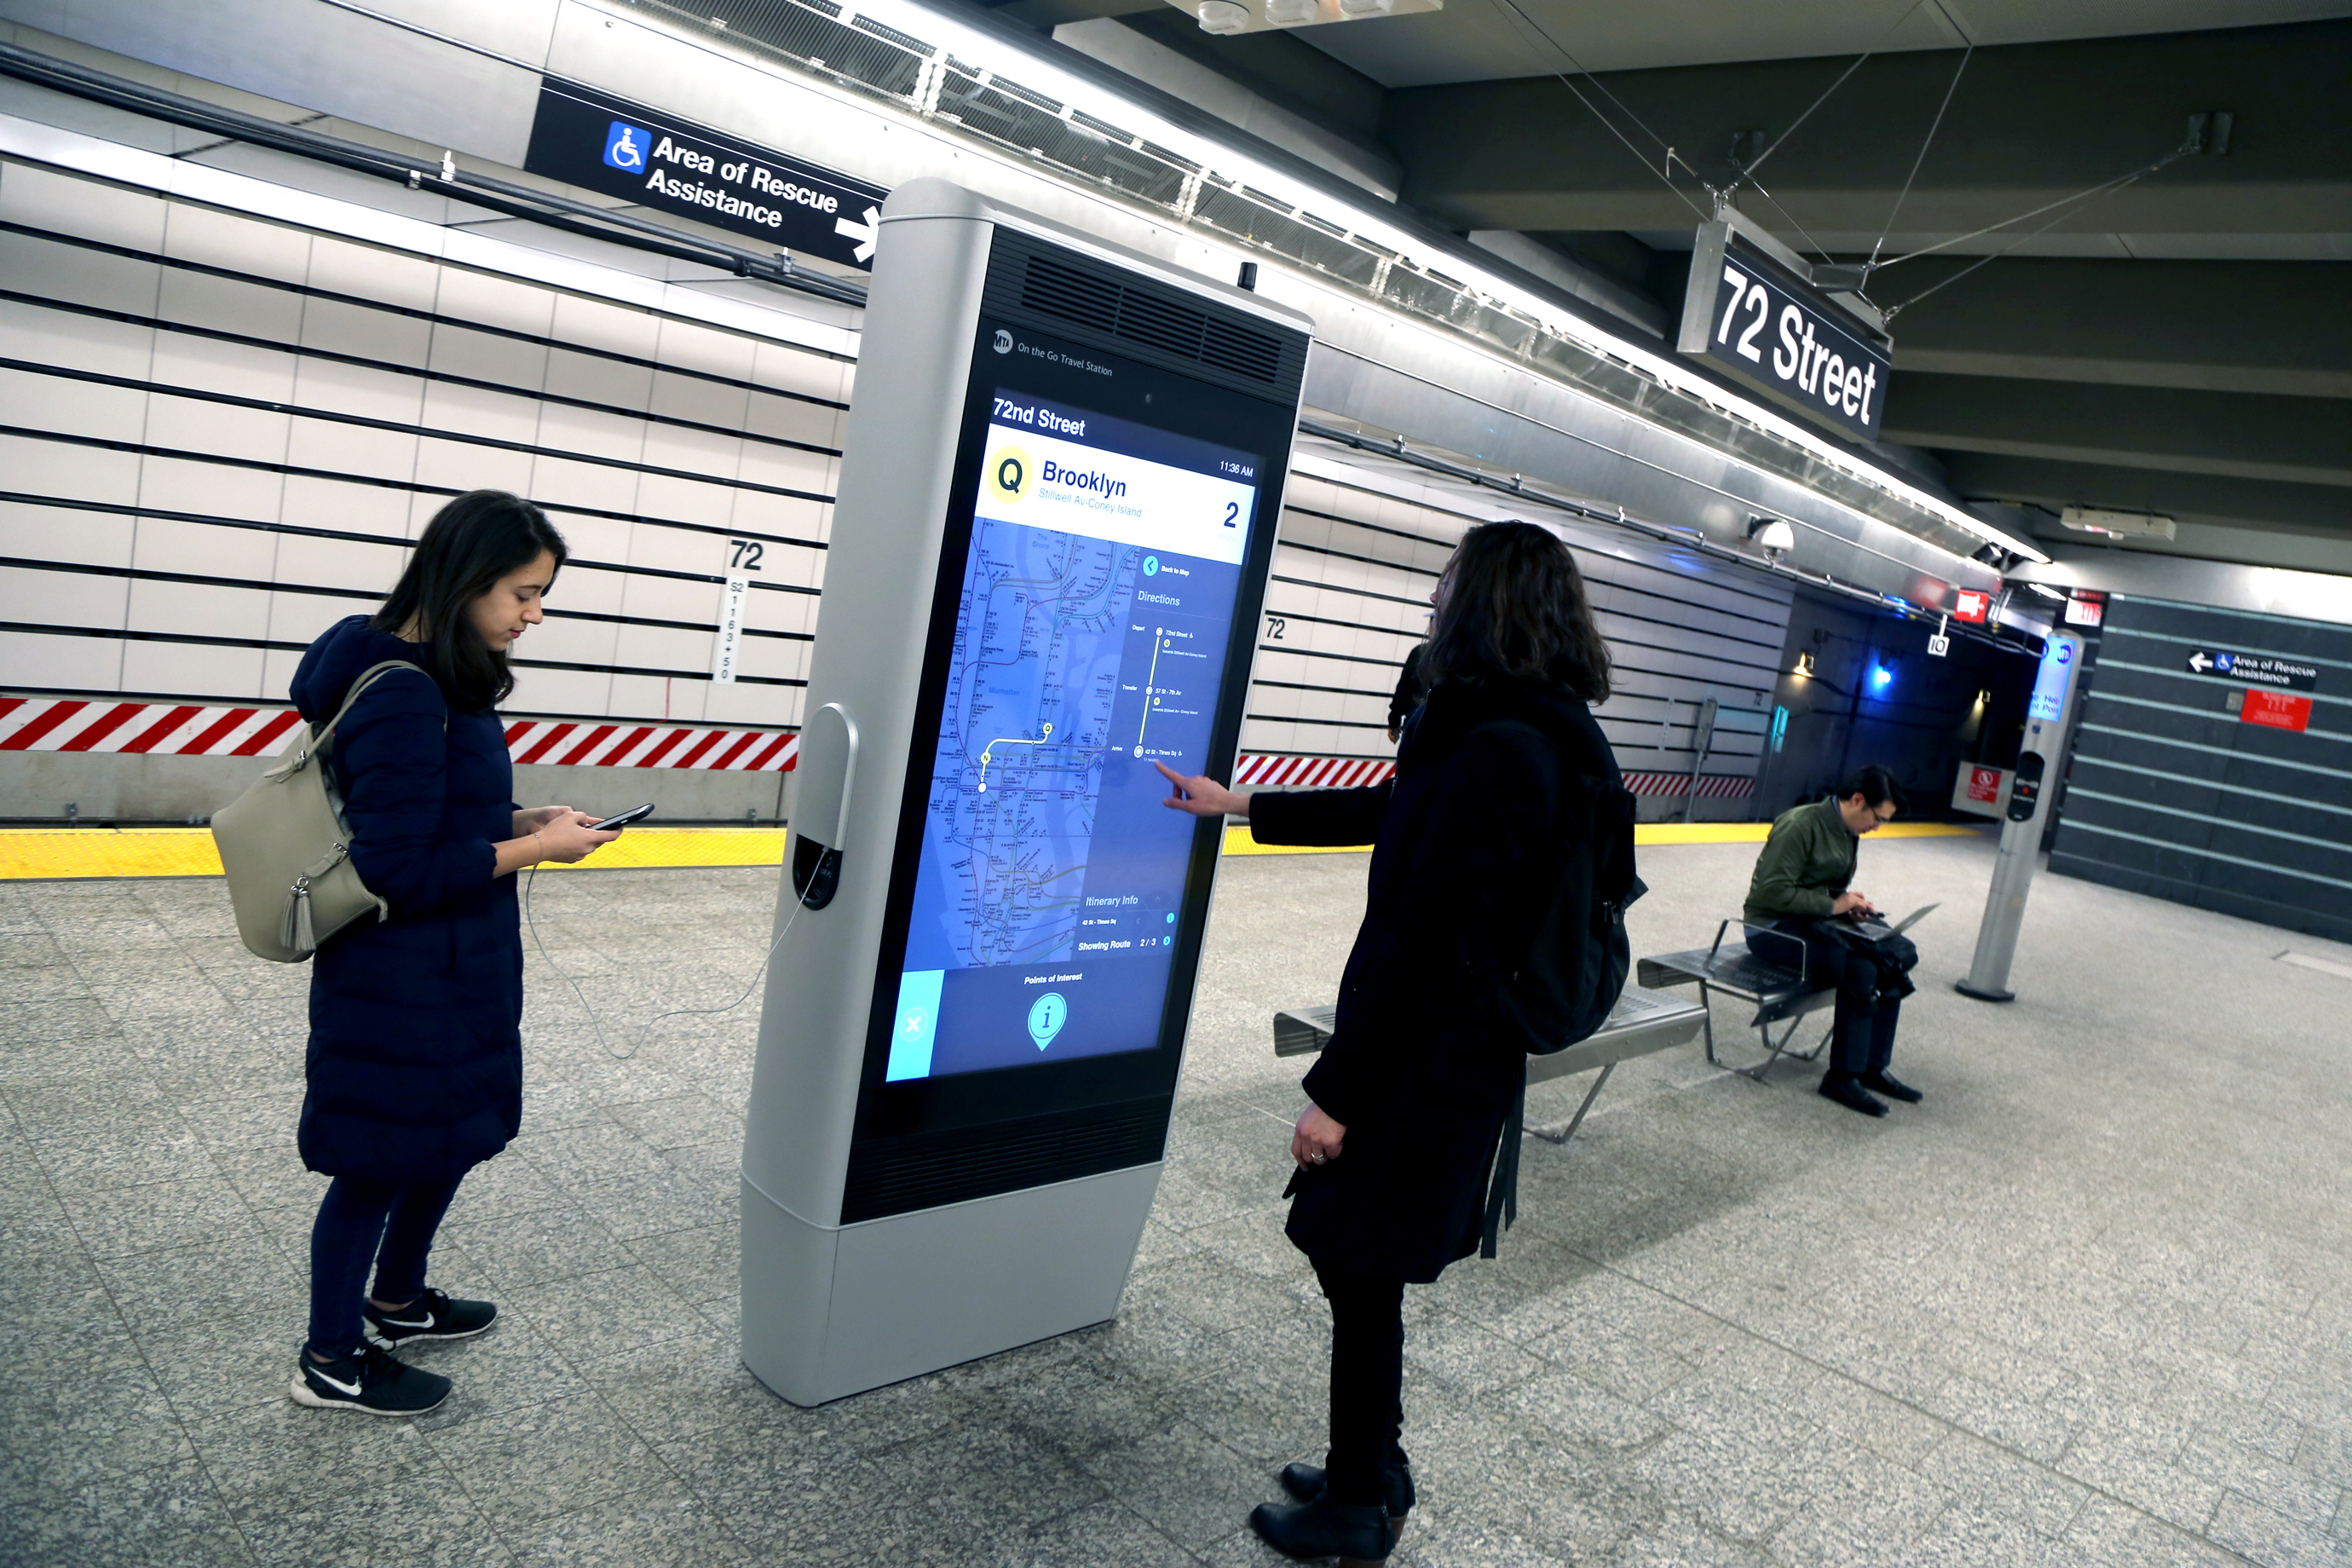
<point>405,1323</point>
<point>336,1383</point>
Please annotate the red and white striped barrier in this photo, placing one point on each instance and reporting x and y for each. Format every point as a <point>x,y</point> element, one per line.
<point>563,742</point>
<point>1267,771</point>
<point>163,729</point>
<point>72,724</point>
<point>1711,786</point>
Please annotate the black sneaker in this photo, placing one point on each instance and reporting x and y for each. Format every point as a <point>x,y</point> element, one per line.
<point>432,1316</point>
<point>1893,1087</point>
<point>370,1381</point>
<point>1849,1093</point>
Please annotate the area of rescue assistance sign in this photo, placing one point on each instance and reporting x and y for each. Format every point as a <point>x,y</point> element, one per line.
<point>586,138</point>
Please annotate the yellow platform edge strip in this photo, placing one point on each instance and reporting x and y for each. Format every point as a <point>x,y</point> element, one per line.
<point>29,854</point>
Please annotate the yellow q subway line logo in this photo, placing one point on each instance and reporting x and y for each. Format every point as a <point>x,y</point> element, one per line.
<point>1009,474</point>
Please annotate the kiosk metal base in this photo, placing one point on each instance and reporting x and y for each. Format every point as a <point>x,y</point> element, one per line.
<point>831,1310</point>
<point>1965,989</point>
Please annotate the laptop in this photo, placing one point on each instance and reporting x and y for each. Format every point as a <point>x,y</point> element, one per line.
<point>1879,930</point>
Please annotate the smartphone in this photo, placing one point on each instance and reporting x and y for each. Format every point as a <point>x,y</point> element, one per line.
<point>615,824</point>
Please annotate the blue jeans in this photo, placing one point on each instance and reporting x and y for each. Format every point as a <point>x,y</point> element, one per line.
<point>389,1223</point>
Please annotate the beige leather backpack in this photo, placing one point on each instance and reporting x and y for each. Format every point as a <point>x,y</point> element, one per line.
<point>287,849</point>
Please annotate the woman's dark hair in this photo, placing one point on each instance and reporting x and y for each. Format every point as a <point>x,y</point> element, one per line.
<point>470,544</point>
<point>1515,606</point>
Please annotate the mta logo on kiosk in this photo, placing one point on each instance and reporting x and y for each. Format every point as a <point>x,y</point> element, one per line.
<point>625,146</point>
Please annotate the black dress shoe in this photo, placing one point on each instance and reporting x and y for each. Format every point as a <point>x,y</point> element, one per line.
<point>1305,1482</point>
<point>1849,1093</point>
<point>1326,1529</point>
<point>1892,1087</point>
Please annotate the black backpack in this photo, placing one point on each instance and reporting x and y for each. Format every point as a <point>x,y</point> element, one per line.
<point>1577,960</point>
<point>1579,954</point>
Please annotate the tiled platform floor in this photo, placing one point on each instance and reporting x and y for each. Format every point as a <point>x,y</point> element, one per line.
<point>2091,1304</point>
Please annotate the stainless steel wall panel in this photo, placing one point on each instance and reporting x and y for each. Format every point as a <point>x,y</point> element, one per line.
<point>295,50</point>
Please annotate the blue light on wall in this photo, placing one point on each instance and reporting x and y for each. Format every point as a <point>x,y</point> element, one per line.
<point>1881,677</point>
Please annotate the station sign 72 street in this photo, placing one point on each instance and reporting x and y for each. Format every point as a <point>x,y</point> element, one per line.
<point>1760,320</point>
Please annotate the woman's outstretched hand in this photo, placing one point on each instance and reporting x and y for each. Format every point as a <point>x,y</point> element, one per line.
<point>1317,1138</point>
<point>1202,797</point>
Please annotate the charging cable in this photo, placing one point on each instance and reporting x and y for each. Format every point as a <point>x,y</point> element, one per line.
<point>799,903</point>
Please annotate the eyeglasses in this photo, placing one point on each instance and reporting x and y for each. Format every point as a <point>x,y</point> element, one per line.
<point>1884,817</point>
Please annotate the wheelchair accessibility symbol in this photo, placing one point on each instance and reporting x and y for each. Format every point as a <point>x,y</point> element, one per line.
<point>625,147</point>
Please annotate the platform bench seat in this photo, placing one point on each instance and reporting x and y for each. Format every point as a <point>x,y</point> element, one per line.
<point>1642,1021</point>
<point>1762,966</point>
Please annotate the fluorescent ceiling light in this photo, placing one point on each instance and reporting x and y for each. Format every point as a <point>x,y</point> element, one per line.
<point>1042,75</point>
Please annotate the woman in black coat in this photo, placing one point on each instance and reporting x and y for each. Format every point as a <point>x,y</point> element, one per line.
<point>415,1067</point>
<point>1398,1151</point>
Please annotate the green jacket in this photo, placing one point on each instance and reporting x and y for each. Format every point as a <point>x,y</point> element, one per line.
<point>1808,860</point>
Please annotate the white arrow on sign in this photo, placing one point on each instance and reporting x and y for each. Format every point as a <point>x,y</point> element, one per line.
<point>2199,662</point>
<point>861,232</point>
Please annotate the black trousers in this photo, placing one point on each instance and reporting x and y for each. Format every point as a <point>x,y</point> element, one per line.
<point>1869,1005</point>
<point>387,1224</point>
<point>1367,1382</point>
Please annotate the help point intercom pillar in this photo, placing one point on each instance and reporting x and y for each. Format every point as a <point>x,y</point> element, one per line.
<point>1056,513</point>
<point>2048,719</point>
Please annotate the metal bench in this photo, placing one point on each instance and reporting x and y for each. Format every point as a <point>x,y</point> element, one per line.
<point>1642,1022</point>
<point>1773,979</point>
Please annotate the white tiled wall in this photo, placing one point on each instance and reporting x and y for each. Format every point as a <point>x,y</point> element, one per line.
<point>274,503</point>
<point>271,504</point>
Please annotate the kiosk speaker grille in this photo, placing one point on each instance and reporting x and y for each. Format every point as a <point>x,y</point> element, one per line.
<point>1154,321</point>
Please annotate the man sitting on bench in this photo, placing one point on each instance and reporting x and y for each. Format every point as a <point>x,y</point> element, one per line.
<point>1801,887</point>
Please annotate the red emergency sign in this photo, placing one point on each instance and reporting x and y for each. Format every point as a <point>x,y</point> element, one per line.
<point>1984,784</point>
<point>1968,604</point>
<point>2276,710</point>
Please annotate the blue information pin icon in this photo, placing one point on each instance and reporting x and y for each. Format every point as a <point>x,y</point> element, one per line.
<point>1047,1016</point>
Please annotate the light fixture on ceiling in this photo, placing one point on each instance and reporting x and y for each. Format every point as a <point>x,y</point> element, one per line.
<point>1221,16</point>
<point>2116,524</point>
<point>1367,7</point>
<point>1805,665</point>
<point>1289,12</point>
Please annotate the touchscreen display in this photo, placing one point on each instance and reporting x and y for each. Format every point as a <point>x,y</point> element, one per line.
<point>1090,638</point>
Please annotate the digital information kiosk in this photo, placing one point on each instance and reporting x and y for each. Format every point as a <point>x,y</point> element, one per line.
<point>1056,512</point>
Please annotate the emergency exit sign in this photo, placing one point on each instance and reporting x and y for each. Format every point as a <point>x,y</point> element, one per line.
<point>2276,710</point>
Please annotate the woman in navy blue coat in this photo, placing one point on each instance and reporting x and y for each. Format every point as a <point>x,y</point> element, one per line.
<point>415,1067</point>
<point>1405,1153</point>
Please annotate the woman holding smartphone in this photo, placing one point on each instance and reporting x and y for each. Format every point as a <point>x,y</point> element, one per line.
<point>1499,777</point>
<point>415,1067</point>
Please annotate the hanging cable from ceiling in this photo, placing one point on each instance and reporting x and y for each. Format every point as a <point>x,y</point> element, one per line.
<point>2071,207</point>
<point>1666,171</point>
<point>1748,173</point>
<point>1933,126</point>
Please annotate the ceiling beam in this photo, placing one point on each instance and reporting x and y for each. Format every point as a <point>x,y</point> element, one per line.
<point>2029,123</point>
<point>2053,483</point>
<point>2300,440</point>
<point>2277,327</point>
